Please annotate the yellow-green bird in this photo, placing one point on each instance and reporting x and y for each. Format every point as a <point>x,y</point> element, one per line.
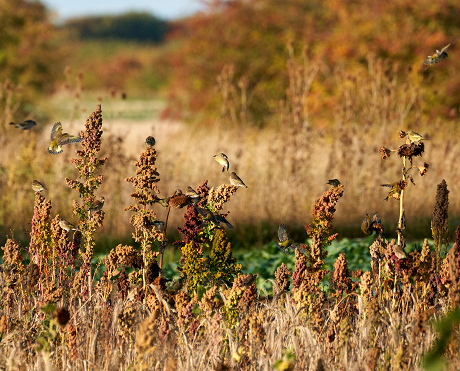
<point>59,139</point>
<point>334,182</point>
<point>394,191</point>
<point>438,56</point>
<point>236,181</point>
<point>163,201</point>
<point>193,195</point>
<point>150,141</point>
<point>366,225</point>
<point>222,159</point>
<point>285,241</point>
<point>97,205</point>
<point>26,125</point>
<point>37,186</point>
<point>415,137</point>
<point>207,216</point>
<point>67,226</point>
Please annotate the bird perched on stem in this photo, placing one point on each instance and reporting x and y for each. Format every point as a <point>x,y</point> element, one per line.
<point>369,223</point>
<point>59,139</point>
<point>437,57</point>
<point>150,141</point>
<point>334,182</point>
<point>96,205</point>
<point>26,125</point>
<point>222,159</point>
<point>37,186</point>
<point>67,226</point>
<point>415,137</point>
<point>236,181</point>
<point>399,252</point>
<point>193,195</point>
<point>285,241</point>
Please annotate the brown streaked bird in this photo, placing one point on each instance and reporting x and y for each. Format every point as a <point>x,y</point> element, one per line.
<point>37,186</point>
<point>438,56</point>
<point>399,252</point>
<point>334,182</point>
<point>179,200</point>
<point>26,125</point>
<point>222,159</point>
<point>67,226</point>
<point>59,139</point>
<point>236,181</point>
<point>150,141</point>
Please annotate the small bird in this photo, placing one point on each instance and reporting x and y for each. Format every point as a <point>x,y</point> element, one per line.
<point>334,182</point>
<point>395,191</point>
<point>97,205</point>
<point>158,225</point>
<point>437,57</point>
<point>175,286</point>
<point>207,216</point>
<point>415,137</point>
<point>222,159</point>
<point>150,141</point>
<point>285,241</point>
<point>163,201</point>
<point>26,125</point>
<point>193,195</point>
<point>399,252</point>
<point>37,186</point>
<point>59,139</point>
<point>179,200</point>
<point>368,222</point>
<point>64,224</point>
<point>236,181</point>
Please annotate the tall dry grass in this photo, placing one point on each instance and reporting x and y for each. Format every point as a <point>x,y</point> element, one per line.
<point>286,164</point>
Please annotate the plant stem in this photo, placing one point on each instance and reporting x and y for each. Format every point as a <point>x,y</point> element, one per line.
<point>401,201</point>
<point>163,244</point>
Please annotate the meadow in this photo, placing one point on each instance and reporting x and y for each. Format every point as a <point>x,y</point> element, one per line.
<point>314,276</point>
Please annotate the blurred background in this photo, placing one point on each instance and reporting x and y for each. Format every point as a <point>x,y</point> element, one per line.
<point>294,92</point>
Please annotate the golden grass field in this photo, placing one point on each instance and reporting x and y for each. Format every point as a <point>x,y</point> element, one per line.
<point>56,315</point>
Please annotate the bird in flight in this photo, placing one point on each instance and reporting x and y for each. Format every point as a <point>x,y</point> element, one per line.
<point>438,56</point>
<point>58,139</point>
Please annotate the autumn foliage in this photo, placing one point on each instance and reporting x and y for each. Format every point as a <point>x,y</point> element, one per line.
<point>255,39</point>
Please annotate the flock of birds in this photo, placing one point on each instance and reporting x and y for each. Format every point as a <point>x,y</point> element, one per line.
<point>191,197</point>
<point>59,139</point>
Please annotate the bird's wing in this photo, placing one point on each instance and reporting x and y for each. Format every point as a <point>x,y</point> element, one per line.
<point>444,49</point>
<point>67,139</point>
<point>56,131</point>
